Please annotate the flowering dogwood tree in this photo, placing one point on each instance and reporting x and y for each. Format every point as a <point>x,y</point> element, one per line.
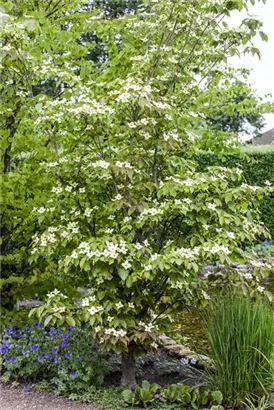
<point>125,212</point>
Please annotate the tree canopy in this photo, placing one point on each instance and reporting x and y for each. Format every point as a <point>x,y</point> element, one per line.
<point>100,184</point>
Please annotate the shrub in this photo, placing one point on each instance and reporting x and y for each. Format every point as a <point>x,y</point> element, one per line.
<point>263,250</point>
<point>257,166</point>
<point>67,358</point>
<point>241,339</point>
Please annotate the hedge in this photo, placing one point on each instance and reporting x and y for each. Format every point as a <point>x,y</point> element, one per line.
<point>258,167</point>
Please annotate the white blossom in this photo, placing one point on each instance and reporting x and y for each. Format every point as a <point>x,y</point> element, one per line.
<point>126,264</point>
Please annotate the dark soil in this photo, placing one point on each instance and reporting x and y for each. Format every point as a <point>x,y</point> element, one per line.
<point>160,368</point>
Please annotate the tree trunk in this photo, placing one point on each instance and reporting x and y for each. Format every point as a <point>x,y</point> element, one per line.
<point>128,369</point>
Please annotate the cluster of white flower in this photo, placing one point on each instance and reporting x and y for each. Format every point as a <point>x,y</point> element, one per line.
<point>181,201</point>
<point>95,309</point>
<point>123,164</point>
<point>118,197</point>
<point>126,264</point>
<point>177,285</point>
<point>147,268</point>
<point>88,212</point>
<point>101,164</point>
<point>150,211</point>
<point>109,230</point>
<point>114,332</point>
<point>247,276</point>
<point>217,248</point>
<point>60,309</point>
<point>54,293</point>
<point>87,301</point>
<point>57,190</point>
<point>252,188</point>
<point>127,219</point>
<point>186,253</point>
<point>46,238</point>
<point>231,235</point>
<point>212,207</point>
<point>111,251</point>
<point>148,326</point>
<point>258,264</point>
<point>88,107</point>
<point>171,135</point>
<point>119,305</point>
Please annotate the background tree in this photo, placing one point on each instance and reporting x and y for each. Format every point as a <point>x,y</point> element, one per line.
<point>238,110</point>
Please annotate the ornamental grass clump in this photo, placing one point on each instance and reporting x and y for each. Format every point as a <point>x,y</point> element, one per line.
<point>241,338</point>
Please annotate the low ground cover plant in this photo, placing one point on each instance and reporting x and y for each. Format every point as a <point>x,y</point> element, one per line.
<point>195,397</point>
<point>67,359</point>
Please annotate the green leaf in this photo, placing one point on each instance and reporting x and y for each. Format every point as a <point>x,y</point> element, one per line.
<point>70,321</point>
<point>127,396</point>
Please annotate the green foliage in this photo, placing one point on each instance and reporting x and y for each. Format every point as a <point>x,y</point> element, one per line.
<point>237,110</point>
<point>101,186</point>
<point>241,339</point>
<point>66,360</point>
<point>263,250</point>
<point>178,393</point>
<point>196,397</point>
<point>258,170</point>
<point>142,395</point>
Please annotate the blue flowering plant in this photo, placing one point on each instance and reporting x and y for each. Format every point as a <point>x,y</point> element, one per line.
<point>263,250</point>
<point>66,358</point>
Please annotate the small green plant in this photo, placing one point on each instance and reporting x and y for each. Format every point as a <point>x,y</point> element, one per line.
<point>141,395</point>
<point>201,397</point>
<point>241,338</point>
<point>178,393</point>
<point>196,397</point>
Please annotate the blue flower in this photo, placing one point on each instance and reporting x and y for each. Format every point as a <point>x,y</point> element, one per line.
<point>24,352</point>
<point>79,358</point>
<point>54,350</point>
<point>266,243</point>
<point>52,333</point>
<point>65,336</point>
<point>4,349</point>
<point>56,359</point>
<point>70,328</point>
<point>67,356</point>
<point>72,375</point>
<point>34,348</point>
<point>46,355</point>
<point>19,337</point>
<point>37,325</point>
<point>14,359</point>
<point>9,330</point>
<point>64,343</point>
<point>60,369</point>
<point>8,359</point>
<point>40,359</point>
